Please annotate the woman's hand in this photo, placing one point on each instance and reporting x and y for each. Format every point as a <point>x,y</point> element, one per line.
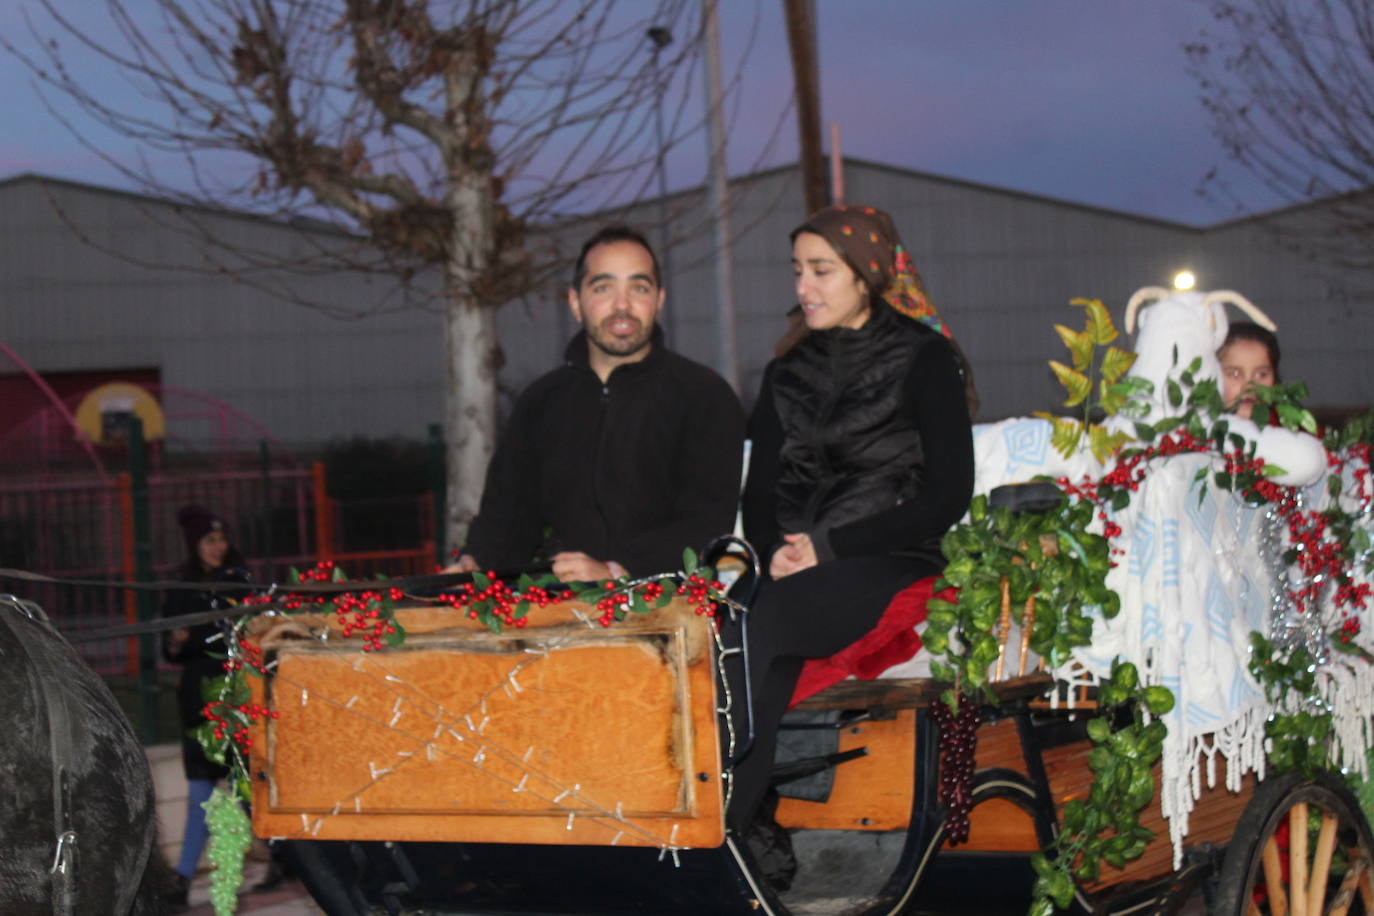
<point>796,554</point>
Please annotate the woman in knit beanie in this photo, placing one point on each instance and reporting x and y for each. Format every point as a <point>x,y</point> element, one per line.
<point>210,557</point>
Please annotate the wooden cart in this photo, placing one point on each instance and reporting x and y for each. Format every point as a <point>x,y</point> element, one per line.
<point>570,768</point>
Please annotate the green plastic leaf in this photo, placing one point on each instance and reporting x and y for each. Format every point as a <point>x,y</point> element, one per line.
<point>1159,700</point>
<point>1099,729</point>
<point>689,561</point>
<point>1175,393</point>
<point>1110,398</point>
<point>398,634</point>
<point>1061,888</point>
<point>1126,676</point>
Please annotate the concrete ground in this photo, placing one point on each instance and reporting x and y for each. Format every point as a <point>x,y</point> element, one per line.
<point>288,899</point>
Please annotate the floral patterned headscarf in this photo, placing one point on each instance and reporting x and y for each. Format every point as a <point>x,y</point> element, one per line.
<point>867,239</point>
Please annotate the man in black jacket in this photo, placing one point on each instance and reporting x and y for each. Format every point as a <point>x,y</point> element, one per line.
<point>626,454</point>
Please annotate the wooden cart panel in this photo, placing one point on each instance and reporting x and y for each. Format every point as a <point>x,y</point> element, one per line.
<point>557,733</point>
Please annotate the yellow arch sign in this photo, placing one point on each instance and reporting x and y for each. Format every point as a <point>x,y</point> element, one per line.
<point>112,400</point>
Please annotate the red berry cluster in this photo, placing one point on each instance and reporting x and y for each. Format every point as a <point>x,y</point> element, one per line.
<point>323,571</point>
<point>1317,555</point>
<point>958,741</point>
<point>613,604</point>
<point>367,616</point>
<point>1130,469</point>
<point>1357,454</point>
<point>616,602</point>
<point>360,613</point>
<point>497,599</point>
<point>700,593</point>
<point>234,722</point>
<point>249,654</point>
<point>1128,473</point>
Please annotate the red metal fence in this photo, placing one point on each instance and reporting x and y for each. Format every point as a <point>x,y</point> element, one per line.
<point>84,529</point>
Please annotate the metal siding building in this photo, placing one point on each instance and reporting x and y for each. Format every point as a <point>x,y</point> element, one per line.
<point>304,376</point>
<point>1001,266</point>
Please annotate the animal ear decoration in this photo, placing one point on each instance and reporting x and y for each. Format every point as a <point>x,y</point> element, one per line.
<point>1143,296</point>
<point>1147,294</point>
<point>1245,305</point>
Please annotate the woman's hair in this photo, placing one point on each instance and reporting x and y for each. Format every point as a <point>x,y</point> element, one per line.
<point>193,571</point>
<point>1248,330</point>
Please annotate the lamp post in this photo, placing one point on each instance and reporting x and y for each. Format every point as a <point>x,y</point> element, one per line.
<point>661,38</point>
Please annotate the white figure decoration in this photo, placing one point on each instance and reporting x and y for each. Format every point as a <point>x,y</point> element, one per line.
<point>1180,327</point>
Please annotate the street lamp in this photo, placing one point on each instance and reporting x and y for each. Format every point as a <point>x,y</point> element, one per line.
<point>661,38</point>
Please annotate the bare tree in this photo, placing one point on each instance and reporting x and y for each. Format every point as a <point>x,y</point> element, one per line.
<point>1289,85</point>
<point>436,134</point>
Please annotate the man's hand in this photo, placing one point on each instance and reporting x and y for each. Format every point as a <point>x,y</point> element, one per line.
<point>575,566</point>
<point>796,554</point>
<point>465,563</point>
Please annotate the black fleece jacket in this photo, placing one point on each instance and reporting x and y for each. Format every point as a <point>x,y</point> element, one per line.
<point>632,471</point>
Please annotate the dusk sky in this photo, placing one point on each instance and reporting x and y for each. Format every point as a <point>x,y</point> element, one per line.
<point>1082,100</point>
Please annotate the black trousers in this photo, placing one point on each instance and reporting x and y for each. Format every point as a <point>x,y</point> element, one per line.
<point>811,614</point>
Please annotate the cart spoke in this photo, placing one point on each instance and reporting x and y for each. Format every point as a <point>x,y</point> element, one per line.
<point>1297,858</point>
<point>1321,864</point>
<point>1345,895</point>
<point>1273,878</point>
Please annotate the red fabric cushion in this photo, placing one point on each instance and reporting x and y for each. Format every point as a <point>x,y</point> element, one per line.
<point>893,641</point>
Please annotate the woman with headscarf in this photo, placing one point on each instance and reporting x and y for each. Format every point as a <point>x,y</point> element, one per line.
<point>862,459</point>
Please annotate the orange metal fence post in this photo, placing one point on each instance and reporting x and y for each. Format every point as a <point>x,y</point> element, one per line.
<point>324,522</point>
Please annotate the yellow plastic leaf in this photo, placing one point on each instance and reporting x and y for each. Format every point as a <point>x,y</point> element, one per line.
<point>1104,444</point>
<point>1115,363</point>
<point>1065,435</point>
<point>1078,385</point>
<point>1100,327</point>
<point>1080,346</point>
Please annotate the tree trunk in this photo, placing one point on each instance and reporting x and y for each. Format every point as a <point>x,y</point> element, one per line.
<point>470,348</point>
<point>469,409</point>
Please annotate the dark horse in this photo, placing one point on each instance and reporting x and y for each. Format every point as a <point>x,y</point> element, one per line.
<point>77,815</point>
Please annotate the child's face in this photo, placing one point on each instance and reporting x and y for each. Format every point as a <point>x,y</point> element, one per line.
<point>1243,363</point>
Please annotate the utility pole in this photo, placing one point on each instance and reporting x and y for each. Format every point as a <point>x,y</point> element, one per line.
<point>727,356</point>
<point>801,38</point>
<point>661,38</point>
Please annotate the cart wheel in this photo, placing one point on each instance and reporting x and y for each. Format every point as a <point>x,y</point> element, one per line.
<point>1302,848</point>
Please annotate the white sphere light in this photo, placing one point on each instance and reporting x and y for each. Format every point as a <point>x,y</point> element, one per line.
<point>1184,280</point>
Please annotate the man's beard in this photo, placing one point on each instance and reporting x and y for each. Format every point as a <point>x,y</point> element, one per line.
<point>619,345</point>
